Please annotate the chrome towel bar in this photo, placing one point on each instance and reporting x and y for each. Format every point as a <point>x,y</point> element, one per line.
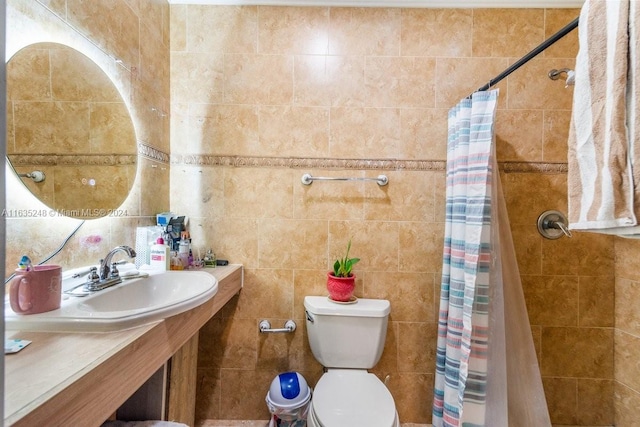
<point>307,179</point>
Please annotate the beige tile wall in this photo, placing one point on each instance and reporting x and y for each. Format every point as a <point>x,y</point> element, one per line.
<point>627,333</point>
<point>261,95</point>
<point>137,32</point>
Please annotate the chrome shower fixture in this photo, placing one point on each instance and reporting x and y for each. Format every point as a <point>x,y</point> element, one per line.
<point>553,224</point>
<point>570,79</point>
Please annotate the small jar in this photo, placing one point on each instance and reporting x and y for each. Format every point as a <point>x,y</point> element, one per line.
<point>210,259</point>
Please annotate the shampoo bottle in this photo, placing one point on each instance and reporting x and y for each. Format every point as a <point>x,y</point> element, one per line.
<point>159,256</point>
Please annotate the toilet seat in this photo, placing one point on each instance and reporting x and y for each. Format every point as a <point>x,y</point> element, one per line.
<point>352,397</point>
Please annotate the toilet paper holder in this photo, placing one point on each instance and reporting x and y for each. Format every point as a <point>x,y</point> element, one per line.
<point>265,327</point>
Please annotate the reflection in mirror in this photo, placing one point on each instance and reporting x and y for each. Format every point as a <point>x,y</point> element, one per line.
<point>66,119</point>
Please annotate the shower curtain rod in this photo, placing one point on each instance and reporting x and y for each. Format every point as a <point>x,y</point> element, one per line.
<point>535,52</point>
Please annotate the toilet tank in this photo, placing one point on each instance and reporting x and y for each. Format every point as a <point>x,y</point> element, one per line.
<point>346,335</point>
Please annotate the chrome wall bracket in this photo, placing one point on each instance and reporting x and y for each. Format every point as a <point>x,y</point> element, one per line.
<point>36,176</point>
<point>265,327</point>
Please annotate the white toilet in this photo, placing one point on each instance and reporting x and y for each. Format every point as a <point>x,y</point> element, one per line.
<point>348,339</point>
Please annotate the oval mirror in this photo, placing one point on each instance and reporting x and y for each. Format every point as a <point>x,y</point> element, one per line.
<point>70,137</point>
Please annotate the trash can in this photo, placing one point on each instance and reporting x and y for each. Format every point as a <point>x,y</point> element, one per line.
<point>288,400</point>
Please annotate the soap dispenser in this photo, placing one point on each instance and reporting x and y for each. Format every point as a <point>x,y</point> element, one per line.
<point>159,256</point>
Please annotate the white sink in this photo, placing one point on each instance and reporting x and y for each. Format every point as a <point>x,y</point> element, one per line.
<point>132,303</point>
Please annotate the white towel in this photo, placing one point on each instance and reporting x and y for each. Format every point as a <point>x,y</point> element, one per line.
<point>603,189</point>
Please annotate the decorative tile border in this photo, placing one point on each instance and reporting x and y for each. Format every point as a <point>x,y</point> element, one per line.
<point>144,150</point>
<point>72,159</point>
<point>152,153</point>
<point>269,162</point>
<point>350,164</point>
<point>307,163</point>
<point>525,167</point>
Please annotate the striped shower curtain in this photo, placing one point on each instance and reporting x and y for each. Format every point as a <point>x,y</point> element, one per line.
<point>487,372</point>
<point>461,361</point>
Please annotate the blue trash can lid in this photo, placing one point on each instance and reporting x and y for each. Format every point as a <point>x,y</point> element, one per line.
<point>288,390</point>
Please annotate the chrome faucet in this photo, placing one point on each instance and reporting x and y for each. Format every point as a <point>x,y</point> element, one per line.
<point>111,271</point>
<point>102,277</point>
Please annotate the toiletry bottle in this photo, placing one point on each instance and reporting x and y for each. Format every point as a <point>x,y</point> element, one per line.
<point>183,249</point>
<point>176,263</point>
<point>159,255</point>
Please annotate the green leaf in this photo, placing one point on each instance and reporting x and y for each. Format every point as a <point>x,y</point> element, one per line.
<point>343,266</point>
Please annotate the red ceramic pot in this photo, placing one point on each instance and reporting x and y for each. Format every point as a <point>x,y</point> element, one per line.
<point>340,288</point>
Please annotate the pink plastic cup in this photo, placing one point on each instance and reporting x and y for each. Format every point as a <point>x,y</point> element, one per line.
<point>37,290</point>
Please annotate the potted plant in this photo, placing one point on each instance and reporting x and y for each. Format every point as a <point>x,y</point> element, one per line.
<point>341,282</point>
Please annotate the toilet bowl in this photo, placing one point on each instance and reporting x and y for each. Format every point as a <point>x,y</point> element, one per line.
<point>347,340</point>
<point>351,398</point>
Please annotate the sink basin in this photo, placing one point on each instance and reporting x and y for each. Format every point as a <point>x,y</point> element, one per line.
<point>132,303</point>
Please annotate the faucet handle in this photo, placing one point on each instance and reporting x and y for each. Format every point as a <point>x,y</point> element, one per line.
<point>93,275</point>
<point>114,270</point>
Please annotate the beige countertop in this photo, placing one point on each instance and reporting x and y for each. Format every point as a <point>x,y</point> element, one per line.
<point>80,379</point>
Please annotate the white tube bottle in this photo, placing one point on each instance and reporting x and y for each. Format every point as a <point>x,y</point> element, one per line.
<point>159,256</point>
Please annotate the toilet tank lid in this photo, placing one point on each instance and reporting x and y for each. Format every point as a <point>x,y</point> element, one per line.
<point>361,308</point>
